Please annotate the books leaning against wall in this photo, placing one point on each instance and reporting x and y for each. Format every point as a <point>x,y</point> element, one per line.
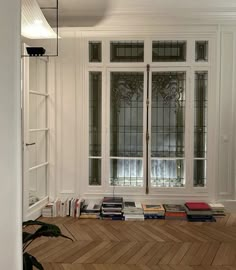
<point>133,211</point>
<point>91,209</point>
<point>63,207</point>
<point>153,211</point>
<point>175,211</point>
<point>112,208</point>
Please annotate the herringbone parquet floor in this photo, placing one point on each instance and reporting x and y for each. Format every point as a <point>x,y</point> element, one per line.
<point>137,245</point>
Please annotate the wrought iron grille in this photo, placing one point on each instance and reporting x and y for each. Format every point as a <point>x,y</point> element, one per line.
<point>95,113</point>
<point>95,51</point>
<point>167,129</point>
<point>126,128</point>
<point>94,171</point>
<point>95,127</point>
<point>126,118</point>
<point>200,127</point>
<point>201,51</point>
<point>168,51</point>
<point>127,51</point>
<point>168,114</point>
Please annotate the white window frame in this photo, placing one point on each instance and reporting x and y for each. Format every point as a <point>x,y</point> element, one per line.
<point>190,66</point>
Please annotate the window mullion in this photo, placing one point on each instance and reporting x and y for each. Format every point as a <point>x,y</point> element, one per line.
<point>189,130</point>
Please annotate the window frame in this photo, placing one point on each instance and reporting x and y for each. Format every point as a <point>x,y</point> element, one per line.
<point>191,66</point>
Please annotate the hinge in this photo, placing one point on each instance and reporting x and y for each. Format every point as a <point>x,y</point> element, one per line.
<point>147,136</point>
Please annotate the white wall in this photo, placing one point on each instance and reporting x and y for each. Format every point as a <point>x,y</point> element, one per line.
<point>10,137</point>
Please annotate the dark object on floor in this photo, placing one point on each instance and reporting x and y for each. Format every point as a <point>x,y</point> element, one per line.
<point>45,229</point>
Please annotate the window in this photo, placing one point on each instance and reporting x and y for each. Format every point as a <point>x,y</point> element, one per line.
<point>95,124</point>
<point>126,128</point>
<point>149,134</point>
<point>168,129</point>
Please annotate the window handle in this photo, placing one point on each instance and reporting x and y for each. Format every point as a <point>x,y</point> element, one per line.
<point>28,144</point>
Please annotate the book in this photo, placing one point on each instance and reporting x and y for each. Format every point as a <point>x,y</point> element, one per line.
<point>197,206</point>
<point>112,201</point>
<point>198,212</point>
<point>134,217</point>
<point>153,207</point>
<point>174,208</point>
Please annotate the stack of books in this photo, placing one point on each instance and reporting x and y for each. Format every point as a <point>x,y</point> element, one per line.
<point>199,211</point>
<point>175,211</point>
<point>112,208</point>
<point>218,209</point>
<point>90,209</point>
<point>153,211</point>
<point>133,211</point>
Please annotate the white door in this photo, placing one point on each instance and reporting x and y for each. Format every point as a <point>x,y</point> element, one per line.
<point>35,135</point>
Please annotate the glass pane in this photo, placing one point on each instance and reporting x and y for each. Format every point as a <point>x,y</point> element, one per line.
<point>200,114</point>
<point>37,111</point>
<point>38,75</point>
<point>126,114</point>
<point>37,184</point>
<point>127,51</point>
<point>95,51</point>
<point>126,172</point>
<point>167,173</point>
<point>201,51</point>
<point>168,51</point>
<point>95,113</point>
<point>38,151</point>
<point>199,173</point>
<point>168,114</point>
<point>94,172</point>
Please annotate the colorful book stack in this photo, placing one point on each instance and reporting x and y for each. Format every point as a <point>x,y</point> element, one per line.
<point>153,211</point>
<point>133,211</point>
<point>199,211</point>
<point>218,209</point>
<point>90,209</point>
<point>175,211</point>
<point>112,208</point>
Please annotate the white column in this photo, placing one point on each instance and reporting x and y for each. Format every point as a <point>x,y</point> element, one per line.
<point>10,137</point>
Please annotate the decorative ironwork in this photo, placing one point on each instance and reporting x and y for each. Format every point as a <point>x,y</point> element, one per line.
<point>126,87</point>
<point>170,86</point>
<point>127,51</point>
<point>200,128</point>
<point>95,113</point>
<point>168,51</point>
<point>201,51</point>
<point>95,51</point>
<point>94,172</point>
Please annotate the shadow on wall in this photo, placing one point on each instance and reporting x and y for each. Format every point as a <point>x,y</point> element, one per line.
<point>77,13</point>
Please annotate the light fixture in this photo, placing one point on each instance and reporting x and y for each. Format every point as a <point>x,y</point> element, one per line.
<point>33,23</point>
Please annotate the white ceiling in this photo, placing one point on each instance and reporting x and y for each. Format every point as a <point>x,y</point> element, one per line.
<point>86,12</point>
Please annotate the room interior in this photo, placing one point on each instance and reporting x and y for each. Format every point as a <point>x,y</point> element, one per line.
<point>78,146</point>
<point>82,137</point>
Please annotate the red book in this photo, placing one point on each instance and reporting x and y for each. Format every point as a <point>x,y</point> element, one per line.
<point>197,206</point>
<point>175,214</point>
